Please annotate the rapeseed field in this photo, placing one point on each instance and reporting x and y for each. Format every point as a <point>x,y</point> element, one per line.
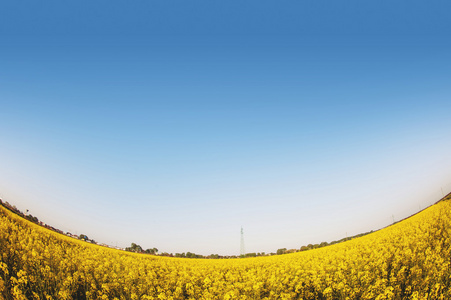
<point>408,260</point>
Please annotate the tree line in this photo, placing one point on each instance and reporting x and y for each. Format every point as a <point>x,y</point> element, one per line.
<point>154,251</point>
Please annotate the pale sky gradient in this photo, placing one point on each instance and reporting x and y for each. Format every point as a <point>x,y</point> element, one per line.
<point>171,124</point>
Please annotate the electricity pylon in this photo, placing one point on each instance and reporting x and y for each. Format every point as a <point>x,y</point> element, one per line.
<point>242,250</point>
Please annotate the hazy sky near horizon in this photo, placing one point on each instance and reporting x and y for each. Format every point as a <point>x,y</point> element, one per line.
<point>171,124</point>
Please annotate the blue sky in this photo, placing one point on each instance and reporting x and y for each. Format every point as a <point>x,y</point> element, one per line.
<point>172,124</point>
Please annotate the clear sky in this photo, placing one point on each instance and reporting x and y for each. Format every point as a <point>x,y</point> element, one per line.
<point>171,124</point>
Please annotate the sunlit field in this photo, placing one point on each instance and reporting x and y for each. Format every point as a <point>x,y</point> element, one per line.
<point>408,260</point>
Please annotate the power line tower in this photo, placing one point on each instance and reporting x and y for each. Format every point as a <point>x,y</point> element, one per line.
<point>242,250</point>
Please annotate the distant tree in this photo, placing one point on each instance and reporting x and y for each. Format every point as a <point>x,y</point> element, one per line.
<point>193,255</point>
<point>251,254</point>
<point>151,251</point>
<point>83,237</point>
<point>32,218</point>
<point>281,251</point>
<point>134,248</point>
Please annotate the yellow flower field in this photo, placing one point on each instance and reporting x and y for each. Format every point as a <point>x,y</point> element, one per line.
<point>409,260</point>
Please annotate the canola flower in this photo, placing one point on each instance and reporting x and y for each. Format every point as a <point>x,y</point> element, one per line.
<point>408,260</point>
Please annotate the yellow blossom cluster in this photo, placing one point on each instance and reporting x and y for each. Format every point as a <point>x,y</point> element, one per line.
<point>408,260</point>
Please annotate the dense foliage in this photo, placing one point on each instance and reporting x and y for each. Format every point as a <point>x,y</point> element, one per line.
<point>409,260</point>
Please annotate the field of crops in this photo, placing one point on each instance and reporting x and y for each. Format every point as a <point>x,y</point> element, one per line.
<point>409,260</point>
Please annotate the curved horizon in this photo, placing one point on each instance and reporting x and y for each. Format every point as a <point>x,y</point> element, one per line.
<point>161,252</point>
